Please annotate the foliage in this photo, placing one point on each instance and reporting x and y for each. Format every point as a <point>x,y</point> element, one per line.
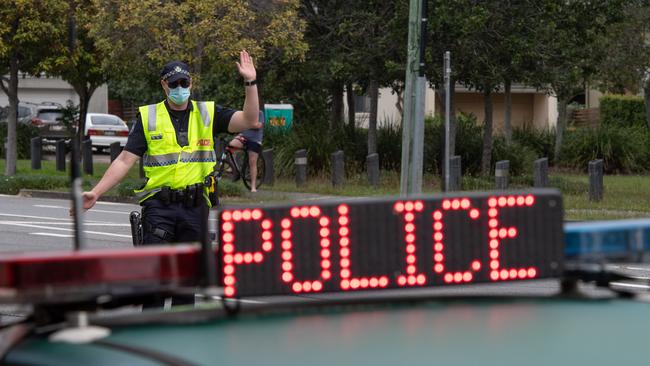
<point>622,111</point>
<point>24,134</point>
<point>541,142</point>
<point>624,150</point>
<point>13,184</point>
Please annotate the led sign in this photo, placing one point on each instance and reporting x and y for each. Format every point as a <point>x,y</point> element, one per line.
<point>390,243</point>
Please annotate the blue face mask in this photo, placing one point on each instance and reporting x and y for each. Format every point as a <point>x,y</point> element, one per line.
<point>179,95</point>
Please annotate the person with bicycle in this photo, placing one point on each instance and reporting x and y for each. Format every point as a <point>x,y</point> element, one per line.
<point>175,138</point>
<point>251,141</point>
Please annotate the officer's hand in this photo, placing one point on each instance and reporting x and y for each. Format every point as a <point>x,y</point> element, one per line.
<point>88,201</point>
<point>246,66</point>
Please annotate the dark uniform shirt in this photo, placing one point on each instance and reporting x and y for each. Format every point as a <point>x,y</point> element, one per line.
<point>137,143</point>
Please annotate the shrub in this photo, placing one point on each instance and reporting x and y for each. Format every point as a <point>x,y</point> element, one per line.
<point>624,150</point>
<point>622,110</point>
<point>13,184</point>
<point>24,134</point>
<point>541,142</point>
<point>521,157</point>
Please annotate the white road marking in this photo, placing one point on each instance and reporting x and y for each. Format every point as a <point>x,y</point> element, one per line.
<point>52,234</point>
<point>93,223</point>
<point>33,217</point>
<point>67,208</point>
<point>64,229</point>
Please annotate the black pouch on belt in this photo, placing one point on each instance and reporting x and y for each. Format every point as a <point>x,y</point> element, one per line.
<point>198,196</point>
<point>190,193</point>
<point>165,195</point>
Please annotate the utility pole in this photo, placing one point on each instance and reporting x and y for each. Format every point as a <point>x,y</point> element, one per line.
<point>413,123</point>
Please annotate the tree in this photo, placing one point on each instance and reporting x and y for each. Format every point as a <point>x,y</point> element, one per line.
<point>140,36</point>
<point>27,29</point>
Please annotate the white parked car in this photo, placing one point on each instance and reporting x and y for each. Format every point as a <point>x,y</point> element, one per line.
<point>105,129</point>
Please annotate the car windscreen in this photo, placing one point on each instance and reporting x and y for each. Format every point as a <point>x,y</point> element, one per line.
<point>50,114</point>
<point>106,120</point>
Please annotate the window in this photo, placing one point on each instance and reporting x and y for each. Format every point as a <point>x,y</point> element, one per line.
<point>106,120</point>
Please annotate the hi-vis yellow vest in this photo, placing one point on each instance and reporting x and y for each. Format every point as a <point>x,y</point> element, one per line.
<point>166,163</point>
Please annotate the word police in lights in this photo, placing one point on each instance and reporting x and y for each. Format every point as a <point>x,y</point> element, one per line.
<point>383,243</point>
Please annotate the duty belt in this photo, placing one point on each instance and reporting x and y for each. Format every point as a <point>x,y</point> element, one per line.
<point>190,196</point>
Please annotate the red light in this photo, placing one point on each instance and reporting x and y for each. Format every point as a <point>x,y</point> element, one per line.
<point>409,217</point>
<point>437,215</point>
<point>494,264</point>
<point>458,277</point>
<point>530,200</point>
<point>409,228</point>
<point>228,258</point>
<point>317,286</point>
<point>464,203</point>
<point>295,212</point>
<point>455,204</point>
<point>446,204</point>
<point>286,255</point>
<point>493,223</point>
<point>474,213</point>
<point>410,238</point>
<point>285,223</point>
<point>306,286</point>
<point>266,235</point>
<point>287,277</point>
<point>344,252</point>
<point>343,220</point>
<point>286,245</point>
<point>325,232</point>
<point>438,268</point>
<point>345,273</point>
<point>325,253</point>
<point>343,209</point>
<point>345,285</point>
<point>512,232</point>
<point>494,275</point>
<point>421,280</point>
<point>228,237</point>
<point>286,234</point>
<point>324,242</point>
<point>229,291</point>
<point>399,206</point>
<point>354,283</point>
<point>401,280</point>
<point>504,274</point>
<point>411,280</point>
<point>511,201</point>
<point>314,211</point>
<point>363,282</point>
<point>438,257</point>
<point>374,282</point>
<point>503,233</point>
<point>304,211</point>
<point>494,233</point>
<point>229,280</point>
<point>246,215</point>
<point>449,278</point>
<point>231,269</point>
<point>287,266</point>
<point>236,215</point>
<point>476,265</point>
<point>410,248</point>
<point>408,206</point>
<point>227,226</point>
<point>248,258</point>
<point>493,212</point>
<point>437,226</point>
<point>492,202</point>
<point>494,254</point>
<point>383,281</point>
<point>494,244</point>
<point>228,248</point>
<point>297,287</point>
<point>513,273</point>
<point>326,275</point>
<point>256,214</point>
<point>467,276</point>
<point>326,264</point>
<point>324,221</point>
<point>226,216</point>
<point>438,236</point>
<point>502,201</point>
<point>239,258</point>
<point>344,231</point>
<point>438,247</point>
<point>267,224</point>
<point>345,242</point>
<point>521,200</point>
<point>267,246</point>
<point>419,206</point>
<point>410,259</point>
<point>532,272</point>
<point>258,257</point>
<point>522,273</point>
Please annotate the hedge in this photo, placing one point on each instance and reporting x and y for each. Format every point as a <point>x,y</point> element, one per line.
<point>622,111</point>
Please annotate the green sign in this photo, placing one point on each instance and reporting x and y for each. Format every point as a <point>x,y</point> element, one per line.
<point>279,115</point>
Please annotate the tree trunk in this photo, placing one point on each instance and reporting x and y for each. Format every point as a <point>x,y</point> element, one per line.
<point>11,153</point>
<point>373,91</point>
<point>486,158</point>
<point>646,93</point>
<point>351,107</point>
<point>84,94</point>
<point>561,124</point>
<point>507,122</point>
<point>337,105</point>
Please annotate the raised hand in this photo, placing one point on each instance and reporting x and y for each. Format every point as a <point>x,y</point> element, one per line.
<point>246,66</point>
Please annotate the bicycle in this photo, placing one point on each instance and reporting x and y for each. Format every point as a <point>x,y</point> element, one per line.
<point>233,164</point>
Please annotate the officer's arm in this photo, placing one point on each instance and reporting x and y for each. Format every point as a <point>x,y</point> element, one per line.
<point>115,172</point>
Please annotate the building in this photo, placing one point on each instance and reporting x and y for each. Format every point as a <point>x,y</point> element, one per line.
<point>53,89</point>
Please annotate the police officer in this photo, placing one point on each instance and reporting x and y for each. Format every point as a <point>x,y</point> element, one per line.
<point>175,139</point>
